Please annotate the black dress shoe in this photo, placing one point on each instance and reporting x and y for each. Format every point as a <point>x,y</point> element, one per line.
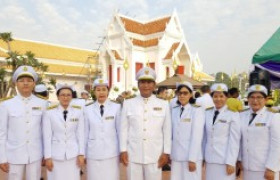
<point>166,167</point>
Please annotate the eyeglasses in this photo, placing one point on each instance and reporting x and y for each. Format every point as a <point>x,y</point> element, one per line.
<point>185,93</point>
<point>258,98</point>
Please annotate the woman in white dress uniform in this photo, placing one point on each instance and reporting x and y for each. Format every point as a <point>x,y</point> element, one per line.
<point>187,135</point>
<point>102,124</point>
<point>222,136</point>
<point>63,132</point>
<point>260,142</point>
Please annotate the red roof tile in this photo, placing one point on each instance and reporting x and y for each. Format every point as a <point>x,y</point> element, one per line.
<point>116,54</point>
<point>148,43</point>
<point>155,26</point>
<point>171,50</point>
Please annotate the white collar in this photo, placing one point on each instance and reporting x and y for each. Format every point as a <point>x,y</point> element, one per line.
<point>259,111</point>
<point>25,98</point>
<point>221,109</point>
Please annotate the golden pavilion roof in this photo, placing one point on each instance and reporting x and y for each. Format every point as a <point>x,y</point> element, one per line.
<point>58,54</point>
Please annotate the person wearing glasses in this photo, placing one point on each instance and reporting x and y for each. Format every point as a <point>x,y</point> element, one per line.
<point>21,116</point>
<point>222,136</point>
<point>260,141</point>
<point>187,136</point>
<point>102,127</point>
<point>63,135</point>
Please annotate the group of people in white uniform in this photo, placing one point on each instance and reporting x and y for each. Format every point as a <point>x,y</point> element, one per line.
<point>143,134</point>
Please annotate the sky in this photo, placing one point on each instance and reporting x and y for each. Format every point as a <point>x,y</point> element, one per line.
<point>225,33</point>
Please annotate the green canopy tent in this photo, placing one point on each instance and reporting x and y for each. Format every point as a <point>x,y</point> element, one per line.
<point>268,58</point>
<point>270,51</point>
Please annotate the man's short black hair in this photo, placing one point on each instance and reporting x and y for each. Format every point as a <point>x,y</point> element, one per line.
<point>205,89</point>
<point>161,89</point>
<point>233,91</point>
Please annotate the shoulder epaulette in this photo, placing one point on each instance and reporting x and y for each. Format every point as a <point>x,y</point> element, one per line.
<point>272,110</point>
<point>89,103</point>
<point>77,107</point>
<point>161,98</point>
<point>52,107</point>
<point>209,108</point>
<point>114,101</point>
<point>176,106</point>
<point>195,105</point>
<point>6,98</point>
<point>129,97</point>
<point>41,97</point>
<point>244,110</point>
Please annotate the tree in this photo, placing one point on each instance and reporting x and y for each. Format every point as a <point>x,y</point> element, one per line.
<point>7,37</point>
<point>222,77</point>
<point>15,59</point>
<point>3,74</point>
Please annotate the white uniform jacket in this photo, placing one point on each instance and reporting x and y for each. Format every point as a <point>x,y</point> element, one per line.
<point>205,101</point>
<point>78,102</point>
<point>187,133</point>
<point>222,137</point>
<point>63,140</point>
<point>102,132</point>
<point>260,141</point>
<point>20,129</point>
<point>145,129</point>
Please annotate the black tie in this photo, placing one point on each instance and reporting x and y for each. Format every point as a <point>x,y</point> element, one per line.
<point>253,117</point>
<point>101,110</point>
<point>65,114</point>
<point>215,116</point>
<point>182,110</point>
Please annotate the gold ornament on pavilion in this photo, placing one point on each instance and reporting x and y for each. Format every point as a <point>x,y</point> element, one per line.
<point>147,72</point>
<point>175,65</point>
<point>125,64</point>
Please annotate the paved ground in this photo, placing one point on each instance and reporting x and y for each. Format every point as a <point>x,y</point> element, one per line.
<point>166,175</point>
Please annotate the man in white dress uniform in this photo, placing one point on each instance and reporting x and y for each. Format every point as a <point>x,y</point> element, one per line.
<point>205,101</point>
<point>260,141</point>
<point>20,129</point>
<point>145,134</point>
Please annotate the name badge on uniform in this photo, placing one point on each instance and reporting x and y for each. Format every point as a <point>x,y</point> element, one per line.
<point>260,124</point>
<point>222,121</point>
<point>157,108</point>
<point>109,118</point>
<point>74,119</point>
<point>36,108</point>
<point>186,120</point>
